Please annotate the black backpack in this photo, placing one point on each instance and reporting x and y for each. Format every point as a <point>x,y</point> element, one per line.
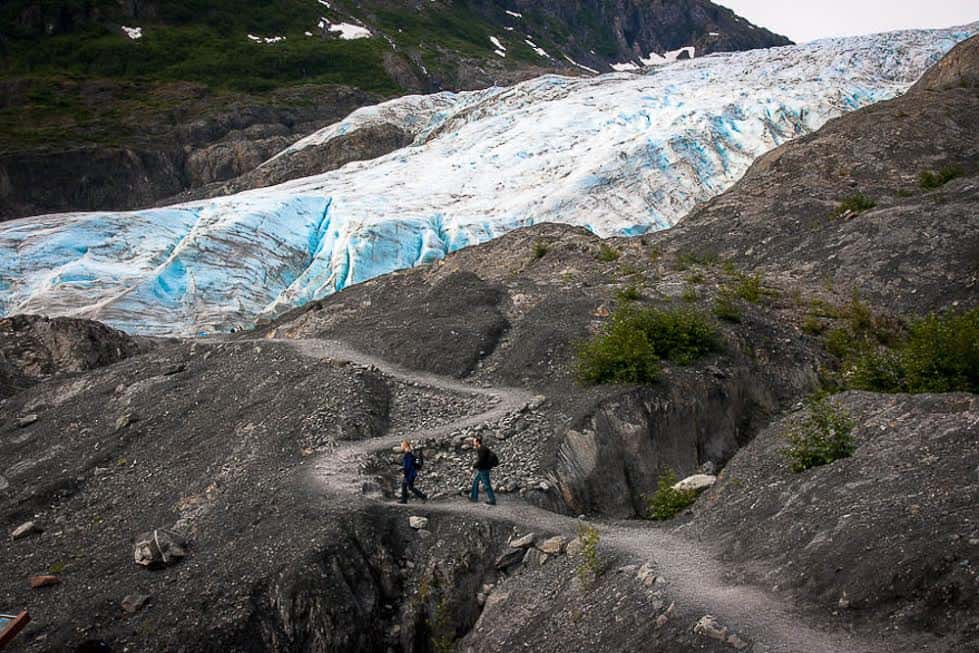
<point>419,460</point>
<point>494,460</point>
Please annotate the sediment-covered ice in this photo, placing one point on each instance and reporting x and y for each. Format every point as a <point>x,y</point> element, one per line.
<point>622,153</point>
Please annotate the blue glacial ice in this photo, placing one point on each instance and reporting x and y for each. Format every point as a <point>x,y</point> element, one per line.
<point>622,153</point>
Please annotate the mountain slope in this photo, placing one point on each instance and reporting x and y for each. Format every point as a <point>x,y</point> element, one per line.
<point>913,160</point>
<point>270,451</point>
<point>619,154</point>
<point>127,84</point>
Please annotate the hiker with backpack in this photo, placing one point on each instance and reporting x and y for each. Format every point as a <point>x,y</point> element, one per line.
<point>485,461</point>
<point>410,464</point>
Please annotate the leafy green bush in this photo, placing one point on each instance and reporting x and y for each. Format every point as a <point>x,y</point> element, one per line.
<point>630,293</point>
<point>823,436</point>
<point>725,308</point>
<point>591,565</point>
<point>749,288</point>
<point>607,253</point>
<point>667,502</point>
<point>635,340</point>
<point>929,180</point>
<point>939,354</point>
<point>860,332</point>
<point>622,354</point>
<point>857,203</point>
<point>813,325</point>
<point>686,260</point>
<point>540,249</point>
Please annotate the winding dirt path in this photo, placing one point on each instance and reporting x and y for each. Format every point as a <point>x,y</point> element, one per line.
<point>693,575</point>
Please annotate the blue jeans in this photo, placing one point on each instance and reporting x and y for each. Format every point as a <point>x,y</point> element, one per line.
<point>482,475</point>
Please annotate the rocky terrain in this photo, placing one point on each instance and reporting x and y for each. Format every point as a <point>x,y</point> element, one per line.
<point>153,99</point>
<point>915,249</point>
<point>235,493</point>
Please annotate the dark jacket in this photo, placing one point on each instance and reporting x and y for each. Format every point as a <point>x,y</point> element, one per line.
<point>483,459</point>
<point>408,466</point>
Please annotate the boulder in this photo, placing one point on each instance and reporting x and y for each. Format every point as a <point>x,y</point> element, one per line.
<point>25,529</point>
<point>418,523</point>
<point>26,420</point>
<point>552,545</point>
<point>159,548</point>
<point>44,581</point>
<point>524,541</point>
<point>135,602</point>
<point>574,547</point>
<point>708,626</point>
<point>509,559</point>
<point>697,482</point>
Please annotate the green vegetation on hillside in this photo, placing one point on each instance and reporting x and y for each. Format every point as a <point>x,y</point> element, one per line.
<point>635,340</point>
<point>856,203</point>
<point>823,436</point>
<point>203,43</point>
<point>201,54</point>
<point>929,180</point>
<point>667,502</point>
<point>940,353</point>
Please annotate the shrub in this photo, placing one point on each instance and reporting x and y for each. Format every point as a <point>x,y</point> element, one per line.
<point>627,270</point>
<point>929,180</point>
<point>622,354</point>
<point>749,288</point>
<point>813,325</point>
<point>591,565</point>
<point>696,278</point>
<point>679,335</point>
<point>857,203</point>
<point>939,354</point>
<point>607,254</point>
<point>861,331</point>
<point>540,249</point>
<point>634,340</point>
<point>667,502</point>
<point>725,308</point>
<point>629,294</point>
<point>686,260</point>
<point>689,295</point>
<point>824,436</point>
<point>441,628</point>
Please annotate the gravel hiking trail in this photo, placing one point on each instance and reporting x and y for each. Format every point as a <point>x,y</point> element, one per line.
<point>694,577</point>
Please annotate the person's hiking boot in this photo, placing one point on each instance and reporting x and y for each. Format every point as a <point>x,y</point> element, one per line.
<point>491,503</point>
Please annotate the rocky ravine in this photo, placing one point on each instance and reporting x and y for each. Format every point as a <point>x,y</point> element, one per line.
<point>269,458</point>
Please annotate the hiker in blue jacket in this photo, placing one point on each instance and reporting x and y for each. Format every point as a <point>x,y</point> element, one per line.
<point>409,466</point>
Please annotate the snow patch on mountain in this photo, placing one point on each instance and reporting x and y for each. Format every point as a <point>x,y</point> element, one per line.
<point>621,153</point>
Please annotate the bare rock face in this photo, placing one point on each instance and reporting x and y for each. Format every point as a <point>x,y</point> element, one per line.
<point>34,347</point>
<point>891,530</point>
<point>914,250</point>
<point>958,69</point>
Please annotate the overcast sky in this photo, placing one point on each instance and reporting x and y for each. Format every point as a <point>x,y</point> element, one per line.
<point>805,21</point>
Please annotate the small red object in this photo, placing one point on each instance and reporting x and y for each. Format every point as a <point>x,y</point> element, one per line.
<point>43,581</point>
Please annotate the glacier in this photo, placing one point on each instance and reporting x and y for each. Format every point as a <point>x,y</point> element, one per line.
<point>620,154</point>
